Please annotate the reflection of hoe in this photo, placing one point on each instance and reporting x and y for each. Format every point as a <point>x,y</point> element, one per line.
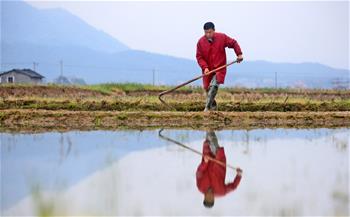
<point>190,81</point>
<point>194,150</point>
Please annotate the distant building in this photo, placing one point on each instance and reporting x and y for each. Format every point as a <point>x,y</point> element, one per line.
<point>20,76</point>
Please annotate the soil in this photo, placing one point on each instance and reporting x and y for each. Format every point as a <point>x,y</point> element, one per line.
<point>31,120</point>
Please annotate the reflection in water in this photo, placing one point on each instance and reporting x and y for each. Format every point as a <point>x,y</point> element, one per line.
<point>211,175</point>
<point>286,172</point>
<point>211,172</point>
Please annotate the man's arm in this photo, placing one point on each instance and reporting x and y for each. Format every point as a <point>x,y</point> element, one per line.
<point>232,43</point>
<point>233,185</point>
<point>201,62</point>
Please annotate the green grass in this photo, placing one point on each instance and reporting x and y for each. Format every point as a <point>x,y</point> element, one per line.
<point>108,88</point>
<point>131,87</point>
<point>144,97</point>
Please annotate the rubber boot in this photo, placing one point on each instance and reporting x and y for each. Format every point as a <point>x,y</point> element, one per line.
<point>213,141</point>
<point>213,89</point>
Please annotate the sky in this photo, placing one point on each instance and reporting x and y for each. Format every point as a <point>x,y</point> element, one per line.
<point>277,31</point>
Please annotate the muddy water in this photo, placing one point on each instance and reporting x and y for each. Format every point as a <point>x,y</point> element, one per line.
<point>285,172</point>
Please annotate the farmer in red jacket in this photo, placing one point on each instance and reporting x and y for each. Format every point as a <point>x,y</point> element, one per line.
<point>210,55</point>
<point>210,175</point>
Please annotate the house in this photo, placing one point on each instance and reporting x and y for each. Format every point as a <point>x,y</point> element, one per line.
<point>20,76</point>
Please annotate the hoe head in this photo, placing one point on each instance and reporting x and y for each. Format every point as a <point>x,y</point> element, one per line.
<point>164,103</point>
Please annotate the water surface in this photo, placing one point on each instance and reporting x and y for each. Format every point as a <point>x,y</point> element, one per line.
<point>285,172</point>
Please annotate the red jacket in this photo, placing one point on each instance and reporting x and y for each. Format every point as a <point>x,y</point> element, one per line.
<point>213,175</point>
<point>212,55</point>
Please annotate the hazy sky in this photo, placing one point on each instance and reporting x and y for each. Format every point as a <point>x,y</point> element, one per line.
<point>300,31</point>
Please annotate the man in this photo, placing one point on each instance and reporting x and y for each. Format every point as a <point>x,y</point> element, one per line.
<point>211,55</point>
<point>210,175</point>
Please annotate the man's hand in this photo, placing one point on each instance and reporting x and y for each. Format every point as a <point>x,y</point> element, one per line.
<point>206,70</point>
<point>239,58</point>
<point>206,159</point>
<point>239,171</point>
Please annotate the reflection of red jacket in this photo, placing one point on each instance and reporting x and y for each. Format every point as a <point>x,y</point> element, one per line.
<point>213,175</point>
<point>213,55</point>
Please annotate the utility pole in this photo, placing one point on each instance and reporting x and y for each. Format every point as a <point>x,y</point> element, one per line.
<point>153,76</point>
<point>275,80</point>
<point>35,64</point>
<point>61,67</point>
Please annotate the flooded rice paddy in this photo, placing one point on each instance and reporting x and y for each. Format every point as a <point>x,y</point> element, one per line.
<point>285,172</point>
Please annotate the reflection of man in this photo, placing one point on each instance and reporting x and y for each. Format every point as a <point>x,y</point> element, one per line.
<point>211,175</point>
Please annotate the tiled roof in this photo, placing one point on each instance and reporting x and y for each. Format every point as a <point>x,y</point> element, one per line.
<point>27,72</point>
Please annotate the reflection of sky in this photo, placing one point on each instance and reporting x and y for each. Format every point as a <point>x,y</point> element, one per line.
<point>47,159</point>
<point>68,161</point>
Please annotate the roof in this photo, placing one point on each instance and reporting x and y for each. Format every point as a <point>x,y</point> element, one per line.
<point>27,72</point>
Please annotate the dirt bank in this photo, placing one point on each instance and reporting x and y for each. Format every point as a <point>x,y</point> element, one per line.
<point>29,120</point>
<point>47,91</point>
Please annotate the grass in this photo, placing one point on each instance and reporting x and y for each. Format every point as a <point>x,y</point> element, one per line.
<point>130,87</point>
<point>180,103</point>
<point>132,105</point>
<point>285,90</point>
<point>144,97</point>
<point>109,88</point>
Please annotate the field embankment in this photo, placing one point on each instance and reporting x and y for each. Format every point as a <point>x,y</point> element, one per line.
<point>136,105</point>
